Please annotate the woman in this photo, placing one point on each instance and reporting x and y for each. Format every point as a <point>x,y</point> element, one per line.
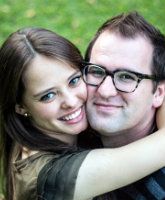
<point>42,112</point>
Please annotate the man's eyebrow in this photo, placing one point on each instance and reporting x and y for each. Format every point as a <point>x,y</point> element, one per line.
<point>121,69</point>
<point>117,69</point>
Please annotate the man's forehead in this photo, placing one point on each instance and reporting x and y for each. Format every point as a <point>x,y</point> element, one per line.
<point>106,38</point>
<point>113,49</point>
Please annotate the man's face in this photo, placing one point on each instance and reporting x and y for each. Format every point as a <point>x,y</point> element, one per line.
<point>112,112</point>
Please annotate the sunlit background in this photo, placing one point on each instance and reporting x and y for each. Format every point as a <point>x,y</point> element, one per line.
<point>75,19</point>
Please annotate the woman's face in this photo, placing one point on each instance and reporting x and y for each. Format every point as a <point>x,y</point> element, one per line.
<point>55,97</point>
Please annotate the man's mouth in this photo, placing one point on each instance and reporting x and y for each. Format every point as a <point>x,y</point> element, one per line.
<point>107,105</point>
<point>108,108</point>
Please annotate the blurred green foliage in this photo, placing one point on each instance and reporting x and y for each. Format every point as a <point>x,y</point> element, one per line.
<point>77,20</point>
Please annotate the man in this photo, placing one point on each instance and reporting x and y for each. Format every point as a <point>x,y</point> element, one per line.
<point>125,87</point>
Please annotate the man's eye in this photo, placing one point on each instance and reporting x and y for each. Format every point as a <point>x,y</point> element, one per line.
<point>126,77</point>
<point>96,72</point>
<point>48,97</point>
<point>74,81</point>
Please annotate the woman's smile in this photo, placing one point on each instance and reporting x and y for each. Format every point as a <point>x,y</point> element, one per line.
<point>74,117</point>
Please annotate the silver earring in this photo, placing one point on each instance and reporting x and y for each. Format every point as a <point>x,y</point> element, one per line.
<point>25,114</point>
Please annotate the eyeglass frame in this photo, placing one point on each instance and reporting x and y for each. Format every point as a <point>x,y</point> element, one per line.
<point>140,76</point>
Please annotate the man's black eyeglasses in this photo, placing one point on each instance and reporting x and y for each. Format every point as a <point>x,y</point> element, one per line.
<point>123,80</point>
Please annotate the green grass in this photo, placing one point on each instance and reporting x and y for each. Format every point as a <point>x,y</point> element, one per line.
<point>77,20</point>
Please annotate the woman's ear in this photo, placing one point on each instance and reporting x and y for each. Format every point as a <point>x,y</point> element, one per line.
<point>159,95</point>
<point>19,109</point>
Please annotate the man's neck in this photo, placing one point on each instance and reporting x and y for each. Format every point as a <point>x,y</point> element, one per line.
<point>127,136</point>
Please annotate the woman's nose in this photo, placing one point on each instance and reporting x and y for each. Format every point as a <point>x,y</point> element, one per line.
<point>69,100</point>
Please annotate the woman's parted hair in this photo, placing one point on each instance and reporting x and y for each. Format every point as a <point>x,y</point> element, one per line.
<point>16,54</point>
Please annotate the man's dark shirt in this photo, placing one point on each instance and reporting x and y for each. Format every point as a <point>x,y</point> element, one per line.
<point>151,187</point>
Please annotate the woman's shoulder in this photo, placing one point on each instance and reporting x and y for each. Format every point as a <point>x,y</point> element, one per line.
<point>47,170</point>
<point>26,174</point>
<point>38,160</point>
<point>60,175</point>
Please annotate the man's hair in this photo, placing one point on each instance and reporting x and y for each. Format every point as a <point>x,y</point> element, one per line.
<point>131,25</point>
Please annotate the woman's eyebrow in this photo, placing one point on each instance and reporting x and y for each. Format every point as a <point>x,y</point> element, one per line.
<point>43,92</point>
<point>70,77</point>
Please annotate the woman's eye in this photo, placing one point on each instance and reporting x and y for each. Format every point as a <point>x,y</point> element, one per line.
<point>74,81</point>
<point>48,97</point>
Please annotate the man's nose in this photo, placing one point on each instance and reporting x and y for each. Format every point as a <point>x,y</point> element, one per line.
<point>107,88</point>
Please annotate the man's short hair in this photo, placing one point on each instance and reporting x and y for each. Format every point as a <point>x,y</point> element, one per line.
<point>131,25</point>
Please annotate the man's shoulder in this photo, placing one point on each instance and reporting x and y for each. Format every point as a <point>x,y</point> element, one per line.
<point>151,187</point>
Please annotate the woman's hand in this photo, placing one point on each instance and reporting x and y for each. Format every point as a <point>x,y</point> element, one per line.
<point>160,116</point>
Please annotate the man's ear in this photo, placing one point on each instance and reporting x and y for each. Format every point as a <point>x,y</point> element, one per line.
<point>19,109</point>
<point>159,95</point>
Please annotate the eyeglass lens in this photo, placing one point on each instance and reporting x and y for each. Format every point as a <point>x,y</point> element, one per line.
<point>123,80</point>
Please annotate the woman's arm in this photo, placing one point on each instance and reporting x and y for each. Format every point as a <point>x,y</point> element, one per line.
<point>104,170</point>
